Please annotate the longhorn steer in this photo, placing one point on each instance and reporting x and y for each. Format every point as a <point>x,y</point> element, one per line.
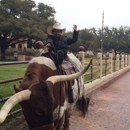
<point>42,95</point>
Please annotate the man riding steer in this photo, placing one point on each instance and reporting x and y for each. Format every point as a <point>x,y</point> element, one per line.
<point>59,42</point>
<point>58,46</point>
<point>43,92</point>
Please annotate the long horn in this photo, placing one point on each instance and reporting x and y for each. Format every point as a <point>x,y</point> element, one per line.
<point>61,78</point>
<point>12,101</point>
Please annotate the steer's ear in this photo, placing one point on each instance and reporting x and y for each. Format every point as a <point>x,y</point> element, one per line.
<point>17,89</point>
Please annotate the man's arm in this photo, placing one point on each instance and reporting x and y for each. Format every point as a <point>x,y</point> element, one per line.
<point>74,39</point>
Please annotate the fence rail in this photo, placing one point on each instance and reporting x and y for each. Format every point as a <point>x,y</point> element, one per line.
<point>13,62</point>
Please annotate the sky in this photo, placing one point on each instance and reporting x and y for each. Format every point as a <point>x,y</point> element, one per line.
<point>89,13</point>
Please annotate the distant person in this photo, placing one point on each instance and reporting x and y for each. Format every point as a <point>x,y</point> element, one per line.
<point>60,42</point>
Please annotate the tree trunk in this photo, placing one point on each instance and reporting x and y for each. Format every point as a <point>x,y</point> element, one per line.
<point>2,53</point>
<point>29,43</point>
<point>3,46</point>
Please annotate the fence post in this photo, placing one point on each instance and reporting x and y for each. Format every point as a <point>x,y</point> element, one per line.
<point>128,60</point>
<point>117,61</point>
<point>125,60</point>
<point>21,57</point>
<point>81,55</point>
<point>99,62</point>
<point>122,60</point>
<point>111,62</point>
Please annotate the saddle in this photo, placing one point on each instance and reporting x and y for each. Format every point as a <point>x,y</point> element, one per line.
<point>68,67</point>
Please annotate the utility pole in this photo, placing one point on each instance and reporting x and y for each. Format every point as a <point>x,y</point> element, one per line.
<point>102,31</point>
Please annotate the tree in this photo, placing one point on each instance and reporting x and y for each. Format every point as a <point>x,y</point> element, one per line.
<point>23,19</point>
<point>88,39</point>
<point>117,39</point>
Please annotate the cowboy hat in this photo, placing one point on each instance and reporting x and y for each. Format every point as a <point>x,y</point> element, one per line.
<point>55,26</point>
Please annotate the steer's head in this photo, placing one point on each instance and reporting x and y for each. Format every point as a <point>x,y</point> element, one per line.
<point>38,111</point>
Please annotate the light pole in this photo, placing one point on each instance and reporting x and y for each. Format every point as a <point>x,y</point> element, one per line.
<point>102,31</point>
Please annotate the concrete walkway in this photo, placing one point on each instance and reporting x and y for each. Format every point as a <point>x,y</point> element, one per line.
<point>109,109</point>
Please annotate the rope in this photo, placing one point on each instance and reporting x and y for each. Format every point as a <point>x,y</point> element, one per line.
<point>2,99</point>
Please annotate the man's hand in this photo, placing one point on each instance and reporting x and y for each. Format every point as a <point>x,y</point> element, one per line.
<point>48,44</point>
<point>75,27</point>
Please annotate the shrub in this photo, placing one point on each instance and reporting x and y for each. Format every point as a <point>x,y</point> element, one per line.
<point>89,56</point>
<point>30,52</point>
<point>20,51</point>
<point>10,51</point>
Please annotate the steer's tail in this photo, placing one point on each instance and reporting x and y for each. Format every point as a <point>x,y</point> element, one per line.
<point>82,105</point>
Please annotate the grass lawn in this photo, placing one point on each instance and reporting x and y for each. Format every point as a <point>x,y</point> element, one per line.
<point>6,89</point>
<point>9,72</point>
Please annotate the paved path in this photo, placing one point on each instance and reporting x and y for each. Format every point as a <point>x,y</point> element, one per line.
<point>109,109</point>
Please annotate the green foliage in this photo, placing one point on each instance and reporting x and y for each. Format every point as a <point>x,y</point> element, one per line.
<point>45,11</point>
<point>23,19</point>
<point>30,52</point>
<point>89,56</point>
<point>117,39</point>
<point>10,51</point>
